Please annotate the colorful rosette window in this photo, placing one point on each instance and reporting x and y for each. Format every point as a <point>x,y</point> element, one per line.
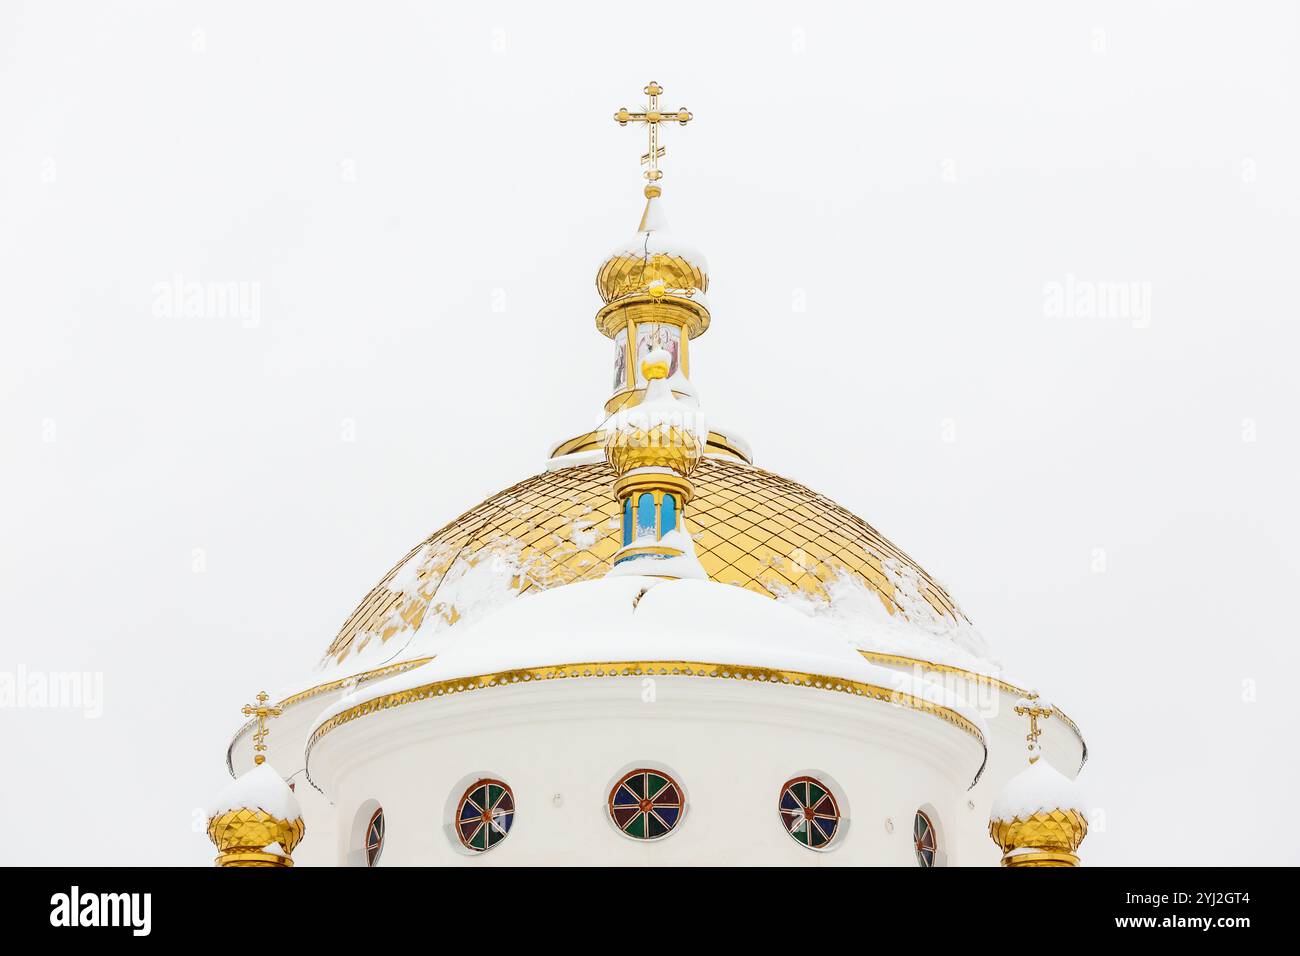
<point>484,815</point>
<point>375,837</point>
<point>925,840</point>
<point>809,812</point>
<point>646,804</point>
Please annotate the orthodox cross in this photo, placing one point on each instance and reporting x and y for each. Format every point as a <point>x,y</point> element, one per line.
<point>652,117</point>
<point>261,711</point>
<point>1028,706</point>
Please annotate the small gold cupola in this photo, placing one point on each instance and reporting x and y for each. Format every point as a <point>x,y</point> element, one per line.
<point>1036,819</point>
<point>256,821</point>
<point>654,447</point>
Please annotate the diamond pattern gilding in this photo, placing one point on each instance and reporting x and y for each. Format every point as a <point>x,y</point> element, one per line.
<point>1050,837</point>
<point>752,528</point>
<point>249,829</point>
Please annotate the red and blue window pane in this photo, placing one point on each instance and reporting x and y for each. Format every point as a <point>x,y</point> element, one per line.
<point>484,815</point>
<point>375,837</point>
<point>646,804</point>
<point>810,813</point>
<point>925,840</point>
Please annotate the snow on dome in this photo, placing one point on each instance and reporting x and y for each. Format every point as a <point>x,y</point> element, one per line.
<point>1039,788</point>
<point>858,612</point>
<point>261,788</point>
<point>656,263</point>
<point>473,585</point>
<point>660,406</point>
<point>643,618</point>
<point>684,565</point>
<point>655,238</point>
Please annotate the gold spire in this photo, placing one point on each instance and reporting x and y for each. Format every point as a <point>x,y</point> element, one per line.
<point>1028,706</point>
<point>1049,834</point>
<point>653,284</point>
<point>652,116</point>
<point>261,711</point>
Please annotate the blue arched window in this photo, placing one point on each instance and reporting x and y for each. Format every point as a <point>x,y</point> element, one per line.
<point>627,520</point>
<point>645,515</point>
<point>667,515</point>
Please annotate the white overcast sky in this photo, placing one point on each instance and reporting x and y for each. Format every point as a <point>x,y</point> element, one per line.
<point>918,174</point>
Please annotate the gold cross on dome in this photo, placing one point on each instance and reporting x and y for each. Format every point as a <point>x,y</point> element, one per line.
<point>1028,706</point>
<point>652,117</point>
<point>261,711</point>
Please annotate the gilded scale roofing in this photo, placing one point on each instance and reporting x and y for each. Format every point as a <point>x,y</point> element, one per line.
<point>752,528</point>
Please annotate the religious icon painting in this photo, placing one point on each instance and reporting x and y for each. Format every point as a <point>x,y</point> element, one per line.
<point>667,337</point>
<point>620,362</point>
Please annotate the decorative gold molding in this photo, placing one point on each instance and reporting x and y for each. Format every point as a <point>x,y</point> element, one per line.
<point>671,309</point>
<point>363,677</point>
<point>877,657</point>
<point>768,675</point>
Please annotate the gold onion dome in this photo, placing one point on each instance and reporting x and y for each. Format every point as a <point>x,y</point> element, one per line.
<point>653,276</point>
<point>256,821</point>
<point>1037,819</point>
<point>653,262</point>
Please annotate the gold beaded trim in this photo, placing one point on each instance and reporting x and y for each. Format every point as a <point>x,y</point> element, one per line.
<point>767,675</point>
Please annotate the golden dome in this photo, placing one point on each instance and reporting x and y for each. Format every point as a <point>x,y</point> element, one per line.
<point>626,274</point>
<point>752,528</point>
<point>256,820</point>
<point>653,277</point>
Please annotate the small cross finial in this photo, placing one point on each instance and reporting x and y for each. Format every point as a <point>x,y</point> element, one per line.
<point>1028,706</point>
<point>261,711</point>
<point>652,116</point>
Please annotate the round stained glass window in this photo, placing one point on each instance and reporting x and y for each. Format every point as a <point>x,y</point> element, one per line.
<point>375,837</point>
<point>484,815</point>
<point>646,804</point>
<point>925,840</point>
<point>810,813</point>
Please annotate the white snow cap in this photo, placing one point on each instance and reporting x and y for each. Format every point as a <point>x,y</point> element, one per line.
<point>685,565</point>
<point>1039,788</point>
<point>654,238</point>
<point>660,406</point>
<point>262,788</point>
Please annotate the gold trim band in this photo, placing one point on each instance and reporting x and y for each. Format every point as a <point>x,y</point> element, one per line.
<point>876,657</point>
<point>768,675</point>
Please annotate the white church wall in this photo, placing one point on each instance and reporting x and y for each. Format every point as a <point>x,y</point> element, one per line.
<point>731,746</point>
